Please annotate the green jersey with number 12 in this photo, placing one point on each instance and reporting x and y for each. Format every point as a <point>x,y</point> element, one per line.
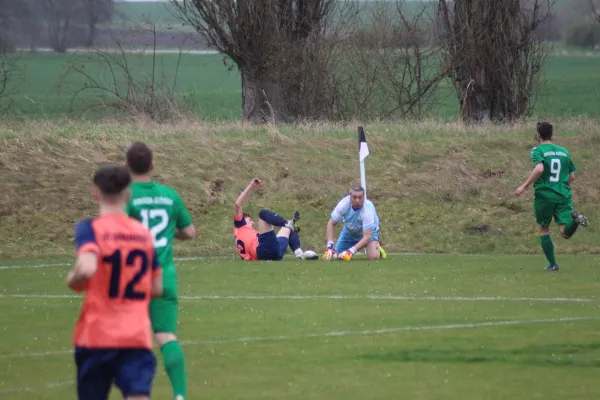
<point>162,210</point>
<point>553,185</point>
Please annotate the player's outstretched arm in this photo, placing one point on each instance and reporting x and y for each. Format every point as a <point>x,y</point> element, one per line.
<point>538,170</point>
<point>244,195</point>
<point>85,268</point>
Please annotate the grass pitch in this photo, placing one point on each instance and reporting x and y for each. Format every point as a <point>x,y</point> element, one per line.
<point>413,326</point>
<point>210,92</point>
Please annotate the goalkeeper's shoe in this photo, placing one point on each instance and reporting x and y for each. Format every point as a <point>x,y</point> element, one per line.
<point>580,219</point>
<point>382,253</point>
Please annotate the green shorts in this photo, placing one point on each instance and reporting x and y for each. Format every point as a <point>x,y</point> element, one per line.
<point>545,210</point>
<point>163,310</point>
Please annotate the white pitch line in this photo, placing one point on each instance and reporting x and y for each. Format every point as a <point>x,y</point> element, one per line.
<point>471,325</point>
<point>389,297</point>
<point>391,330</point>
<point>335,297</point>
<point>197,258</point>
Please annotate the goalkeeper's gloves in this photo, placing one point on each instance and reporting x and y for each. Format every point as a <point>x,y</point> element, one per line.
<point>329,252</point>
<point>347,254</point>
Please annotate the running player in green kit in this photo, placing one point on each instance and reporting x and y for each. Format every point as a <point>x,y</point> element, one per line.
<point>552,176</point>
<point>163,212</point>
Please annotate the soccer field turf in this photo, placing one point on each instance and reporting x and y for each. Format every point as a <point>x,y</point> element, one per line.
<point>411,327</point>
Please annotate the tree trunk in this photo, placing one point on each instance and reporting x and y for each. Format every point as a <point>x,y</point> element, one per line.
<point>91,37</point>
<point>264,101</point>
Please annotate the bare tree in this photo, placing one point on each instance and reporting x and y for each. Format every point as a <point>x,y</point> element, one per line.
<point>95,12</point>
<point>8,9</point>
<point>61,18</point>
<point>270,42</point>
<point>492,55</point>
<point>595,8</point>
<point>31,20</point>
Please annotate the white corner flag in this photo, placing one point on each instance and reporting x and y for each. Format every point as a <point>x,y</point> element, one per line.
<point>363,152</point>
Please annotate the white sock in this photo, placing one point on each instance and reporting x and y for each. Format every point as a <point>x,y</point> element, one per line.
<point>298,252</point>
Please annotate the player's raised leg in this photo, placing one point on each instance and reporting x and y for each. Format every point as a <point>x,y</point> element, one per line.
<point>269,218</point>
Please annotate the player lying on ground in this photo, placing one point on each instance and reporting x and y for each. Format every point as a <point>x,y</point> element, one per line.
<point>162,210</point>
<point>117,267</point>
<point>552,176</point>
<point>361,228</point>
<point>264,244</point>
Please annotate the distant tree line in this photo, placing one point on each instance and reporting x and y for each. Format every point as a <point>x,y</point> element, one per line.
<point>64,22</point>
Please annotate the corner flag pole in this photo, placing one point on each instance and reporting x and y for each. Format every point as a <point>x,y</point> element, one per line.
<point>363,152</point>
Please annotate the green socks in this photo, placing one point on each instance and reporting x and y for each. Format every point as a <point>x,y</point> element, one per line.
<point>570,228</point>
<point>548,248</point>
<point>175,366</point>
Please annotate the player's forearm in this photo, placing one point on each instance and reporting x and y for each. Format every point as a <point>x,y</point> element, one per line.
<point>535,175</point>
<point>242,199</point>
<point>330,231</point>
<point>571,178</point>
<point>362,243</point>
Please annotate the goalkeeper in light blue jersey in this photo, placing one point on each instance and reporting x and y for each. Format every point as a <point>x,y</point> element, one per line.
<point>361,228</point>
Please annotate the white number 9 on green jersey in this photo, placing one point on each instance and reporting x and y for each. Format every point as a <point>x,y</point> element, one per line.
<point>554,170</point>
<point>156,229</point>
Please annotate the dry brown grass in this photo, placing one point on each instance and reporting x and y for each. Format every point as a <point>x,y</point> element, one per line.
<point>435,184</point>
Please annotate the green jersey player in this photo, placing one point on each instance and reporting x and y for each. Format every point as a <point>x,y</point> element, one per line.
<point>552,176</point>
<point>163,212</point>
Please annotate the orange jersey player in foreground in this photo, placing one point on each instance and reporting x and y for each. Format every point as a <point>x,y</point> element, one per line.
<point>264,244</point>
<point>117,267</point>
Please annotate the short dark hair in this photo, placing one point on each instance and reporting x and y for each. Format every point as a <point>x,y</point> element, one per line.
<point>112,179</point>
<point>545,130</point>
<point>139,158</point>
<point>357,189</point>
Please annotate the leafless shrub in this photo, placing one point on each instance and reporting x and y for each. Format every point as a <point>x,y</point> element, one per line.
<point>127,87</point>
<point>492,55</point>
<point>11,75</point>
<point>386,68</point>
